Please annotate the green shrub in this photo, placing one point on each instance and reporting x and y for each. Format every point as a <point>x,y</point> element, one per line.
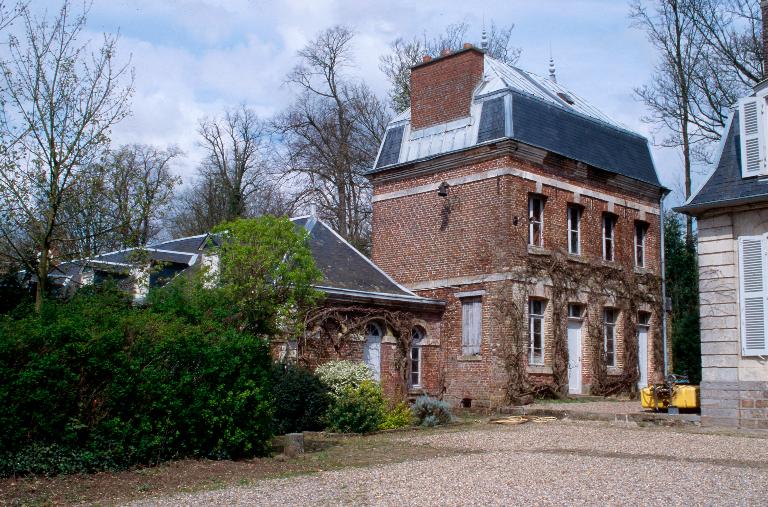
<point>301,400</point>
<point>339,376</point>
<point>431,411</point>
<point>358,409</point>
<point>398,417</point>
<point>95,384</point>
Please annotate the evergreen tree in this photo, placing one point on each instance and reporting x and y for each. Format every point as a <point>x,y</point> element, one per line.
<point>682,273</point>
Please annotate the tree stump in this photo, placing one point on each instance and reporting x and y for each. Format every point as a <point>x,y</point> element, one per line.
<point>294,444</point>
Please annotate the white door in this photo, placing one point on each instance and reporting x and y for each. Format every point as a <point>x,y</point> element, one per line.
<point>642,355</point>
<point>574,356</point>
<point>372,350</point>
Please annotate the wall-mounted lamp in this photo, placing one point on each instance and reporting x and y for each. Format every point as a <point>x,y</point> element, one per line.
<point>442,190</point>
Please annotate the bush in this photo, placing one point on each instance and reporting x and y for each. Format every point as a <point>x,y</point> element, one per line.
<point>339,376</point>
<point>358,409</point>
<point>398,417</point>
<point>95,384</point>
<point>431,411</point>
<point>301,400</point>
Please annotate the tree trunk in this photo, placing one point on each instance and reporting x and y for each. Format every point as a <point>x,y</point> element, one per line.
<point>42,277</point>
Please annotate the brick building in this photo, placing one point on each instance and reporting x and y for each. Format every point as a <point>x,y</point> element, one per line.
<point>494,171</point>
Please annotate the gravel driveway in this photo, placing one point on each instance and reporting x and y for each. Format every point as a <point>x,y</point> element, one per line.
<point>535,464</point>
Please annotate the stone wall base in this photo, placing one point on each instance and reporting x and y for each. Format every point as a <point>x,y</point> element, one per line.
<point>735,404</point>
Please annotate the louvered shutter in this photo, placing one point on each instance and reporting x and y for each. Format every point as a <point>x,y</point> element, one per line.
<point>471,326</point>
<point>752,295</point>
<point>753,160</point>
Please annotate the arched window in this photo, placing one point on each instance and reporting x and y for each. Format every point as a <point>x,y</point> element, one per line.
<point>417,336</point>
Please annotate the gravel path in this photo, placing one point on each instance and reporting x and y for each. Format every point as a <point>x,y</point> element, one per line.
<point>535,464</point>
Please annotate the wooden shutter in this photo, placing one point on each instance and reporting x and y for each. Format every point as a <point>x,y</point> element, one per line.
<point>471,326</point>
<point>752,292</point>
<point>751,132</point>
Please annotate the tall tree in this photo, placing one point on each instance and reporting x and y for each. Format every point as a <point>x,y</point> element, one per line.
<point>332,133</point>
<point>672,94</point>
<point>60,100</point>
<point>710,54</point>
<point>682,277</point>
<point>140,189</point>
<point>404,54</point>
<point>235,146</point>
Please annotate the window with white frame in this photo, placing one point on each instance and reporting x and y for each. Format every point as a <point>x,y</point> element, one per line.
<point>609,336</point>
<point>574,230</point>
<point>471,325</point>
<point>609,232</point>
<point>753,307</point>
<point>535,220</point>
<point>417,336</point>
<point>536,331</point>
<point>641,228</point>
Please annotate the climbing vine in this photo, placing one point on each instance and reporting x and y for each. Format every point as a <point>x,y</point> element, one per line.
<point>331,331</point>
<point>566,280</point>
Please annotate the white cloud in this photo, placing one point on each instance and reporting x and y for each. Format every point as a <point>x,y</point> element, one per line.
<point>197,57</point>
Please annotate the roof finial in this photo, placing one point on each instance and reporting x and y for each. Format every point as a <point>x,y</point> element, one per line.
<point>484,38</point>
<point>552,75</point>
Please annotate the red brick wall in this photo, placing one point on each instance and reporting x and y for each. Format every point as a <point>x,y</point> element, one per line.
<point>441,90</point>
<point>424,237</point>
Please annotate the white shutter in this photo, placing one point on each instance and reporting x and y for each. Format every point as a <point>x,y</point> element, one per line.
<point>752,295</point>
<point>471,326</point>
<point>751,131</point>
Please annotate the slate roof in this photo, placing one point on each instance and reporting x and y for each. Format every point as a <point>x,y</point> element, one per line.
<point>343,266</point>
<point>515,104</point>
<point>346,271</point>
<point>725,186</point>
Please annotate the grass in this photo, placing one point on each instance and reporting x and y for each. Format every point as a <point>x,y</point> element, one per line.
<point>323,452</point>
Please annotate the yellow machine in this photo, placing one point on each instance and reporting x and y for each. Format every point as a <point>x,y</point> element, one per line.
<point>664,396</point>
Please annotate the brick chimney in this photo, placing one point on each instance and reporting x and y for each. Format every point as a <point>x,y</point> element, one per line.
<point>764,13</point>
<point>441,88</point>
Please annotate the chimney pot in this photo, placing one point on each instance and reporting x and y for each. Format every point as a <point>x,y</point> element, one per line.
<point>467,45</point>
<point>426,58</point>
<point>445,52</point>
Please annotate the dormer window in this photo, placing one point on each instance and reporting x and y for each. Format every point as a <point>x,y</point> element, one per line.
<point>752,133</point>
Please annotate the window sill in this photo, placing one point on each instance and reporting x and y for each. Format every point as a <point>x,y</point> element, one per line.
<point>539,369</point>
<point>610,264</point>
<point>469,359</point>
<point>613,370</point>
<point>577,258</point>
<point>538,250</point>
<point>640,270</point>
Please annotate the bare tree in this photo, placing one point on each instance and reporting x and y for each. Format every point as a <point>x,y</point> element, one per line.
<point>60,100</point>
<point>332,133</point>
<point>140,188</point>
<point>404,54</point>
<point>672,94</point>
<point>236,145</point>
<point>710,54</point>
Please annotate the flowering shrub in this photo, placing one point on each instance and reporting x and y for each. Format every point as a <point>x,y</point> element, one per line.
<point>339,376</point>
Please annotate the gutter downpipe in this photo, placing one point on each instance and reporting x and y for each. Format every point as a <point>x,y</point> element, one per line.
<point>664,193</point>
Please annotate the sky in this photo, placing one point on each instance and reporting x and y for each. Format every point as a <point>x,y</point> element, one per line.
<point>195,58</point>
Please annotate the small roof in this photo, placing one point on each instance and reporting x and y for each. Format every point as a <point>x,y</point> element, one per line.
<point>346,271</point>
<point>725,186</point>
<point>511,103</point>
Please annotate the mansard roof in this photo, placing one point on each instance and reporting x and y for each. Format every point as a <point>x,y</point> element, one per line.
<point>511,103</point>
<point>725,185</point>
